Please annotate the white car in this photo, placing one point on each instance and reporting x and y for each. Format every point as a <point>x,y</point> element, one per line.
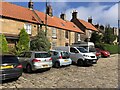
<point>60,58</point>
<point>34,60</point>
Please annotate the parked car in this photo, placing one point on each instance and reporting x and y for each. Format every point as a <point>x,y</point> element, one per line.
<point>10,67</point>
<point>60,58</point>
<point>79,55</point>
<point>104,53</point>
<point>34,60</point>
<point>98,53</point>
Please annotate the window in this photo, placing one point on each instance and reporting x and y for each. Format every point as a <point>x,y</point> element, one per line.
<point>53,44</point>
<point>73,50</point>
<point>79,37</point>
<point>66,44</point>
<point>54,33</point>
<point>66,34</point>
<point>28,28</point>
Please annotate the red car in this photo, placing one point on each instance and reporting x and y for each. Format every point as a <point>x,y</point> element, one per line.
<point>104,53</point>
<point>98,53</point>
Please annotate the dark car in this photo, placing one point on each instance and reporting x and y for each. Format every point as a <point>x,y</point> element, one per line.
<point>10,68</point>
<point>104,53</point>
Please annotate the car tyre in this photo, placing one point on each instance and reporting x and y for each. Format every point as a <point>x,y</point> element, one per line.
<point>57,64</point>
<point>28,68</point>
<point>80,62</point>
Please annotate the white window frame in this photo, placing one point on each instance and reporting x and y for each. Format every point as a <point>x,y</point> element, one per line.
<point>78,37</point>
<point>54,33</point>
<point>28,28</point>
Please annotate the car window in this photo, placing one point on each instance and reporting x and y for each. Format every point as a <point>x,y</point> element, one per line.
<point>28,54</point>
<point>9,59</point>
<point>65,54</point>
<point>83,50</point>
<point>73,50</point>
<point>42,55</point>
<point>55,53</point>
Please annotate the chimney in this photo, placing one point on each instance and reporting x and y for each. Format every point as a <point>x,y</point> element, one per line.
<point>74,14</point>
<point>90,19</point>
<point>30,5</point>
<point>63,16</point>
<point>49,10</point>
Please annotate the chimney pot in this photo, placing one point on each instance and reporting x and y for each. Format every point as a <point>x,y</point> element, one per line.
<point>63,16</point>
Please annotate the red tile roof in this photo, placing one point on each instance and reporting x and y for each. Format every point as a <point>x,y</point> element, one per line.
<point>22,13</point>
<point>88,25</point>
<point>58,22</point>
<point>17,12</point>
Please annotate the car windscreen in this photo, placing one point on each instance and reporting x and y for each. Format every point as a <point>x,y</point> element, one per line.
<point>82,50</point>
<point>65,54</point>
<point>8,59</point>
<point>42,55</point>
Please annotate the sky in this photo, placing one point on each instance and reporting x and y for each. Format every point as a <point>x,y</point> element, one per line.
<point>101,12</point>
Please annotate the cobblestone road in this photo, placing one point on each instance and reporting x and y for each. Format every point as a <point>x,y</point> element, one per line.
<point>104,74</point>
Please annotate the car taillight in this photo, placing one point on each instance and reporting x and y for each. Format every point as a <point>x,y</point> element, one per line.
<point>50,59</point>
<point>19,66</point>
<point>35,60</point>
<point>60,57</point>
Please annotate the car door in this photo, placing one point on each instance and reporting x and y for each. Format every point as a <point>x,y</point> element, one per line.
<point>73,54</point>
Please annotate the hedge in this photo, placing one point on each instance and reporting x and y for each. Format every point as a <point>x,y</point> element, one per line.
<point>113,49</point>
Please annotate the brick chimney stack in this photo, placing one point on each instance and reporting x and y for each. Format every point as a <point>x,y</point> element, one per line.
<point>49,10</point>
<point>74,14</point>
<point>30,5</point>
<point>90,19</point>
<point>63,16</point>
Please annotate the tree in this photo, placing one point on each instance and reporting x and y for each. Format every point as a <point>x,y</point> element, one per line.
<point>95,37</point>
<point>23,43</point>
<point>40,42</point>
<point>109,37</point>
<point>3,44</point>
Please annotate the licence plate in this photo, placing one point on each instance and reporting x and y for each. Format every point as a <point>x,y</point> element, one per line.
<point>6,67</point>
<point>65,60</point>
<point>45,65</point>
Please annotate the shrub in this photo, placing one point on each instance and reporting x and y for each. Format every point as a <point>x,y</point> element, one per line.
<point>40,42</point>
<point>113,49</point>
<point>3,44</point>
<point>23,43</point>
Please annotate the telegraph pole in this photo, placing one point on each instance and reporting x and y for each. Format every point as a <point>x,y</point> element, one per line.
<point>46,20</point>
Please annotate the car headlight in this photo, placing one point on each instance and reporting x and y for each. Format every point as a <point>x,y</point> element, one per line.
<point>85,55</point>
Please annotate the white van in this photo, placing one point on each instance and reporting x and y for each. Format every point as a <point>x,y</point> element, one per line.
<point>79,55</point>
<point>87,45</point>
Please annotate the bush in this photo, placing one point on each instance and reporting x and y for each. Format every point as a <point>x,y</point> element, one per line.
<point>40,42</point>
<point>3,44</point>
<point>113,49</point>
<point>23,43</point>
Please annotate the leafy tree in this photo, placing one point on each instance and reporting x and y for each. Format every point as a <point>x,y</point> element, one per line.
<point>23,43</point>
<point>109,37</point>
<point>40,42</point>
<point>96,38</point>
<point>3,44</point>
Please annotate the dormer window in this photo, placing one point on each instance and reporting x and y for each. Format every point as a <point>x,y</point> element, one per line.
<point>28,28</point>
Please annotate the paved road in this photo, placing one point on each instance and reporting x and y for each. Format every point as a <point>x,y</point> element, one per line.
<point>104,74</point>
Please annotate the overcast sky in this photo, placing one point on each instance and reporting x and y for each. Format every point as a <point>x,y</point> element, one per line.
<point>101,12</point>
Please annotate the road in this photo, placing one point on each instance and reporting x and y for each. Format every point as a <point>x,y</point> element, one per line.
<point>104,74</point>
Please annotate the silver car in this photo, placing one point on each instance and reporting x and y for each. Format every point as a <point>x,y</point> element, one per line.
<point>34,60</point>
<point>60,58</point>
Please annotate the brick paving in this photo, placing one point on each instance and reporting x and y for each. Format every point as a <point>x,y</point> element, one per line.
<point>104,74</point>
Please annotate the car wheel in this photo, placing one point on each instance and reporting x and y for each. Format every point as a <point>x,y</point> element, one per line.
<point>80,62</point>
<point>57,64</point>
<point>28,68</point>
